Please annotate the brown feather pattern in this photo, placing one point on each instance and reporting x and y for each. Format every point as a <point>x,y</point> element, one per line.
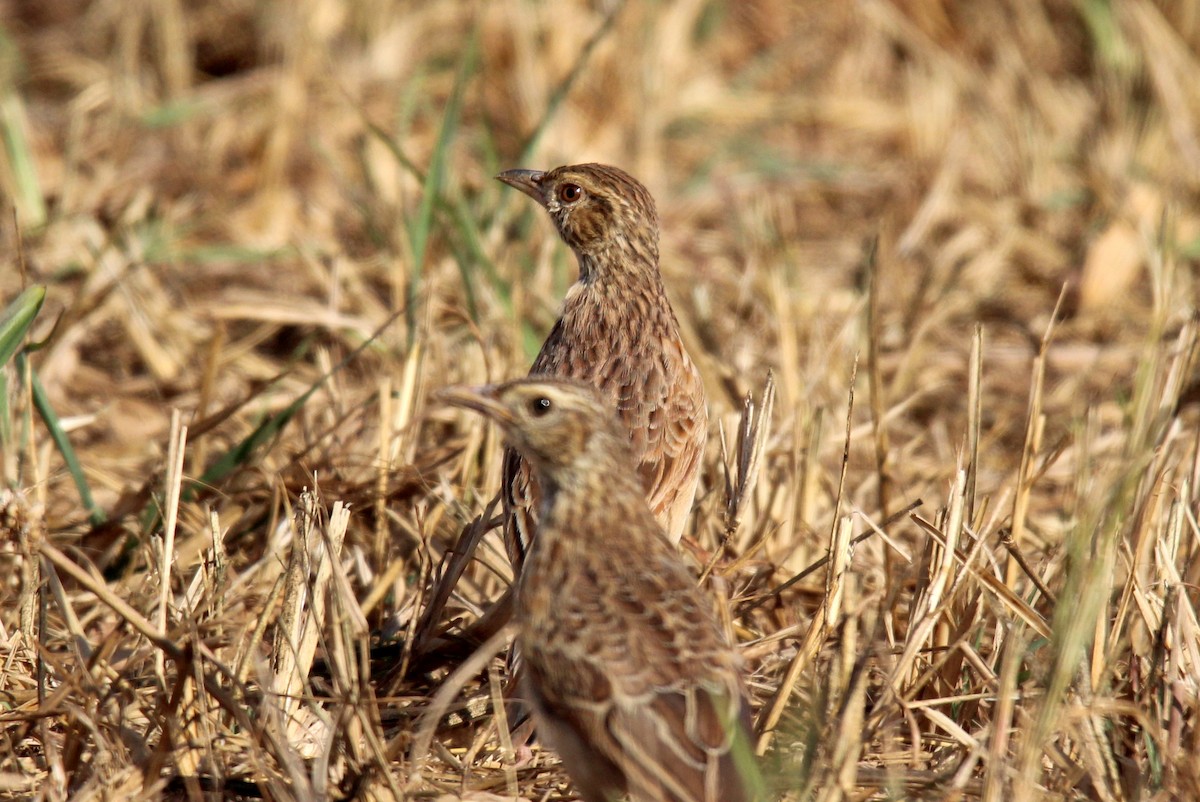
<point>630,676</point>
<point>617,332</point>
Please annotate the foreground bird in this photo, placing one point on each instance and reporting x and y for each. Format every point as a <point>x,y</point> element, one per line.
<point>629,675</point>
<point>617,332</point>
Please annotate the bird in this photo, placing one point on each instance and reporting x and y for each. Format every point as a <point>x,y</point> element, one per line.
<point>618,332</point>
<point>630,677</point>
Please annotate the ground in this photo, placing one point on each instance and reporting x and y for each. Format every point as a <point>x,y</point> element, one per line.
<point>961,237</point>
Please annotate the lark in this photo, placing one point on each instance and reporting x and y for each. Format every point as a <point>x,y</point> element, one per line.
<point>617,332</point>
<point>629,675</point>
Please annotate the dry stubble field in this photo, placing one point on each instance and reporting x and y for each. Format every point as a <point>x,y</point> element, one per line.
<point>961,236</point>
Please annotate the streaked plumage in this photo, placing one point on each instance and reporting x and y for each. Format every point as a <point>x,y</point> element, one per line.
<point>629,674</point>
<point>617,332</point>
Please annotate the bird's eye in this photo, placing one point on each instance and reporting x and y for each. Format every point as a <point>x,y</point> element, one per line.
<point>539,406</point>
<point>569,193</point>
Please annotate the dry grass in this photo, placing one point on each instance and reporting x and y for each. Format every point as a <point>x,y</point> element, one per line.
<point>228,202</point>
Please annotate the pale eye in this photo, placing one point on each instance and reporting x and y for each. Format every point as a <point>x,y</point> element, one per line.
<point>539,406</point>
<point>569,193</point>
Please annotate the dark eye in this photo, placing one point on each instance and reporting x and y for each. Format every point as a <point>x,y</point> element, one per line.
<point>569,193</point>
<point>539,406</point>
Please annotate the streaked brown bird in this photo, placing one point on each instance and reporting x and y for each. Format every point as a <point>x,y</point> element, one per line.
<point>630,677</point>
<point>617,332</point>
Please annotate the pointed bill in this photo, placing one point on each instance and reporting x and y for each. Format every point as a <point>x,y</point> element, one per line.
<point>528,181</point>
<point>481,399</point>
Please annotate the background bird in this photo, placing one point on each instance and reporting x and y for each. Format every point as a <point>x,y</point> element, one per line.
<point>617,332</point>
<point>631,679</point>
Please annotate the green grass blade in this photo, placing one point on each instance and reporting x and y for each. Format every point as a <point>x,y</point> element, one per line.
<point>31,205</point>
<point>16,319</point>
<point>262,434</point>
<point>16,151</point>
<point>473,258</point>
<point>269,428</point>
<point>564,87</point>
<point>42,404</point>
<point>15,322</point>
<point>420,227</point>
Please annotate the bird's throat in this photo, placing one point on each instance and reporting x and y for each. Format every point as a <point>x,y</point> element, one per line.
<point>626,302</point>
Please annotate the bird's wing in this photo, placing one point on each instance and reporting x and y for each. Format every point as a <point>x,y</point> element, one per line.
<point>683,435</point>
<point>656,691</point>
<point>669,423</point>
<point>520,506</point>
<point>688,743</point>
<point>571,702</point>
<point>659,400</point>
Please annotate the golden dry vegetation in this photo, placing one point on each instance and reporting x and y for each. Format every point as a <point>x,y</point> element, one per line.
<point>962,236</point>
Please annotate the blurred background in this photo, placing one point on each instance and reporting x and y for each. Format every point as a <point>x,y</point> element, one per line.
<point>208,187</point>
<point>228,200</point>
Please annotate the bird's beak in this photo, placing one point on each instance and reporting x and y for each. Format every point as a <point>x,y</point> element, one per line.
<point>481,399</point>
<point>528,181</point>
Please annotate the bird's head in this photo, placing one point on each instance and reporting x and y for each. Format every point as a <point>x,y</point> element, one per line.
<point>558,425</point>
<point>602,212</point>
